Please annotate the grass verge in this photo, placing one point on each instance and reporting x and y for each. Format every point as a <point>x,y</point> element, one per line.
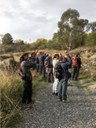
<point>11,93</point>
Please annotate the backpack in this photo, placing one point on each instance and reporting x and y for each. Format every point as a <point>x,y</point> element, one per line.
<point>74,62</point>
<point>58,71</point>
<point>48,62</point>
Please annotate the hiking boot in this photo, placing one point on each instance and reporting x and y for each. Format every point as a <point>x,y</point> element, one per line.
<point>64,100</point>
<point>53,93</point>
<point>56,94</point>
<point>59,99</point>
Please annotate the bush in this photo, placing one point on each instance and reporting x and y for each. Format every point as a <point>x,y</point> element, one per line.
<point>90,39</point>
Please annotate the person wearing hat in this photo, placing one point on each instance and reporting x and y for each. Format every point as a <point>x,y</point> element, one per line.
<point>25,73</point>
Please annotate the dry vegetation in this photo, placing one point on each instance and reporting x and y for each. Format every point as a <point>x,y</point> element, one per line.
<point>11,91</point>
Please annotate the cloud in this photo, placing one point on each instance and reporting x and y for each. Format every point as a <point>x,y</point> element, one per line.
<point>32,19</point>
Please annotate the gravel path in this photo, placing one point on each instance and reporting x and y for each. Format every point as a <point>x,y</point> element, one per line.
<point>48,112</point>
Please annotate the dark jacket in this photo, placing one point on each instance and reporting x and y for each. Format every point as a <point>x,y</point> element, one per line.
<point>58,71</point>
<point>48,62</point>
<point>25,70</point>
<point>37,60</point>
<point>65,66</point>
<point>79,62</point>
<point>41,59</point>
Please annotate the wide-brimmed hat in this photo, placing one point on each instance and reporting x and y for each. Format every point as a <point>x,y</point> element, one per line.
<point>22,56</point>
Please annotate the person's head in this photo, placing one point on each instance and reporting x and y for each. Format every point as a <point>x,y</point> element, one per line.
<point>73,54</point>
<point>64,59</point>
<point>56,56</point>
<point>33,54</point>
<point>67,53</point>
<point>40,53</point>
<point>61,58</point>
<point>78,55</point>
<point>60,55</point>
<point>25,56</point>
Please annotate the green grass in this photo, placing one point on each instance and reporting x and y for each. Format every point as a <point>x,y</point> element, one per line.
<point>83,80</point>
<point>38,83</point>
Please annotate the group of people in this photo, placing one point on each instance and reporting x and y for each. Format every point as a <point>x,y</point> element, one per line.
<point>65,68</point>
<point>58,69</point>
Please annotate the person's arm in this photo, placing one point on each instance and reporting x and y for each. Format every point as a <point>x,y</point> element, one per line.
<point>69,62</point>
<point>29,64</point>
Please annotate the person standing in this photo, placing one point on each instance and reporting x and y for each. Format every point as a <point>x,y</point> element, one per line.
<point>25,73</point>
<point>56,80</point>
<point>69,58</point>
<point>49,68</point>
<point>62,91</point>
<point>41,58</point>
<point>76,64</point>
<point>37,61</point>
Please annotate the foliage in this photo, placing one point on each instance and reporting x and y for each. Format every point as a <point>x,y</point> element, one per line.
<point>7,39</point>
<point>39,44</point>
<point>70,29</point>
<point>92,26</point>
<point>19,42</point>
<point>90,39</point>
<point>15,48</point>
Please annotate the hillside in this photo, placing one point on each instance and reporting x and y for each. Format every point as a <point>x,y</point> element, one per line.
<point>88,56</point>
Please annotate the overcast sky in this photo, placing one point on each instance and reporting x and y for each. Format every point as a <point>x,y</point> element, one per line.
<point>32,19</point>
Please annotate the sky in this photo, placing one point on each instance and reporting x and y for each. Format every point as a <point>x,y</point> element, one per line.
<point>33,19</point>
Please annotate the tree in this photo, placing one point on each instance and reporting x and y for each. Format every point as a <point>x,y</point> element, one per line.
<point>19,42</point>
<point>92,26</point>
<point>7,39</point>
<point>71,29</point>
<point>90,39</point>
<point>39,44</point>
<point>66,26</point>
